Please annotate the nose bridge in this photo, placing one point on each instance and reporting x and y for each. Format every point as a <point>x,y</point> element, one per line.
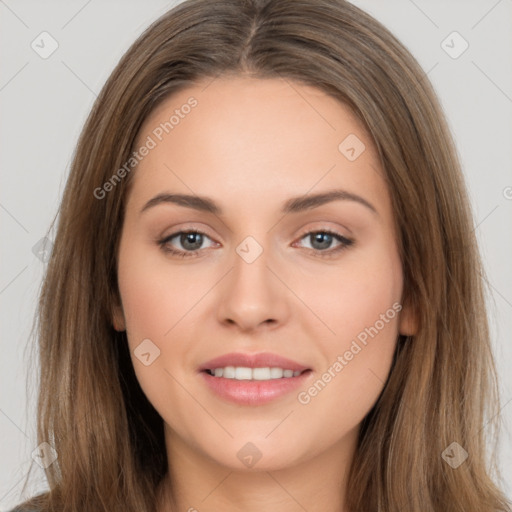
<point>252,294</point>
<point>250,275</point>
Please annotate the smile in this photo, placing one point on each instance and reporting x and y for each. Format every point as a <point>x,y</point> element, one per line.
<point>245,373</point>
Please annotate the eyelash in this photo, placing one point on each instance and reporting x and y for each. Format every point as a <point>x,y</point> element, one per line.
<point>345,243</point>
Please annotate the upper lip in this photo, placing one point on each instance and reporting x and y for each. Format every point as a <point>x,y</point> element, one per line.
<point>261,360</point>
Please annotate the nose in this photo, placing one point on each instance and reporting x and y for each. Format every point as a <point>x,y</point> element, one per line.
<point>253,294</point>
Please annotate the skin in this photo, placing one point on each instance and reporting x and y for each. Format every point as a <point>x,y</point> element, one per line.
<point>250,145</point>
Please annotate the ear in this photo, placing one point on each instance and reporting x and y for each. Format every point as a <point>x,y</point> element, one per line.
<point>408,323</point>
<point>118,320</point>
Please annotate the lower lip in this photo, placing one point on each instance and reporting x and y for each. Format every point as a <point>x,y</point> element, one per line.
<point>253,392</point>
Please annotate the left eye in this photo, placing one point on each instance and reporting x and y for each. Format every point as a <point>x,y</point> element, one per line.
<point>322,240</point>
<point>192,241</point>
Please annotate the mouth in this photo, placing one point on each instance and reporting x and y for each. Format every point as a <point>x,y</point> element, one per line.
<point>253,379</point>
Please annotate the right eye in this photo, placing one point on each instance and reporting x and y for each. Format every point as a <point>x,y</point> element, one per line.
<point>190,240</point>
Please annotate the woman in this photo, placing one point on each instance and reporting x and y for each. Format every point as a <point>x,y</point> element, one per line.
<point>255,372</point>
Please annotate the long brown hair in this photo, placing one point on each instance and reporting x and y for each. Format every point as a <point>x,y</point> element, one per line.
<point>442,386</point>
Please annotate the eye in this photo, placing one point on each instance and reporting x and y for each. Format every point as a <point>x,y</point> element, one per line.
<point>191,242</point>
<point>321,242</point>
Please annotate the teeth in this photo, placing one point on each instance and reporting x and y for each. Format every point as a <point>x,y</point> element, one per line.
<point>244,373</point>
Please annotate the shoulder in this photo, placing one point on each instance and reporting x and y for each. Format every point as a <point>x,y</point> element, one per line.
<point>37,503</point>
<point>25,509</point>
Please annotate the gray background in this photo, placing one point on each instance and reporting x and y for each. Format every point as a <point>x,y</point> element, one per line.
<point>44,103</point>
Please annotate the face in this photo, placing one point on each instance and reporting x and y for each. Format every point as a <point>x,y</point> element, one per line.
<point>276,268</point>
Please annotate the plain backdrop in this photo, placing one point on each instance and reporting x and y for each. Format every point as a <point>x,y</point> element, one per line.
<point>44,103</point>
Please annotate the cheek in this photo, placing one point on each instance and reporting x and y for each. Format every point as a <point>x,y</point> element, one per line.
<point>156,300</point>
<point>161,301</point>
<point>352,296</point>
<point>360,302</point>
<point>156,294</point>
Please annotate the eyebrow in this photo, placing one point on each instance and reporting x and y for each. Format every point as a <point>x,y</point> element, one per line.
<point>293,205</point>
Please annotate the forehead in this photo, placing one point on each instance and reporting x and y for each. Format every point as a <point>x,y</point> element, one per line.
<point>257,135</point>
<point>255,105</point>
